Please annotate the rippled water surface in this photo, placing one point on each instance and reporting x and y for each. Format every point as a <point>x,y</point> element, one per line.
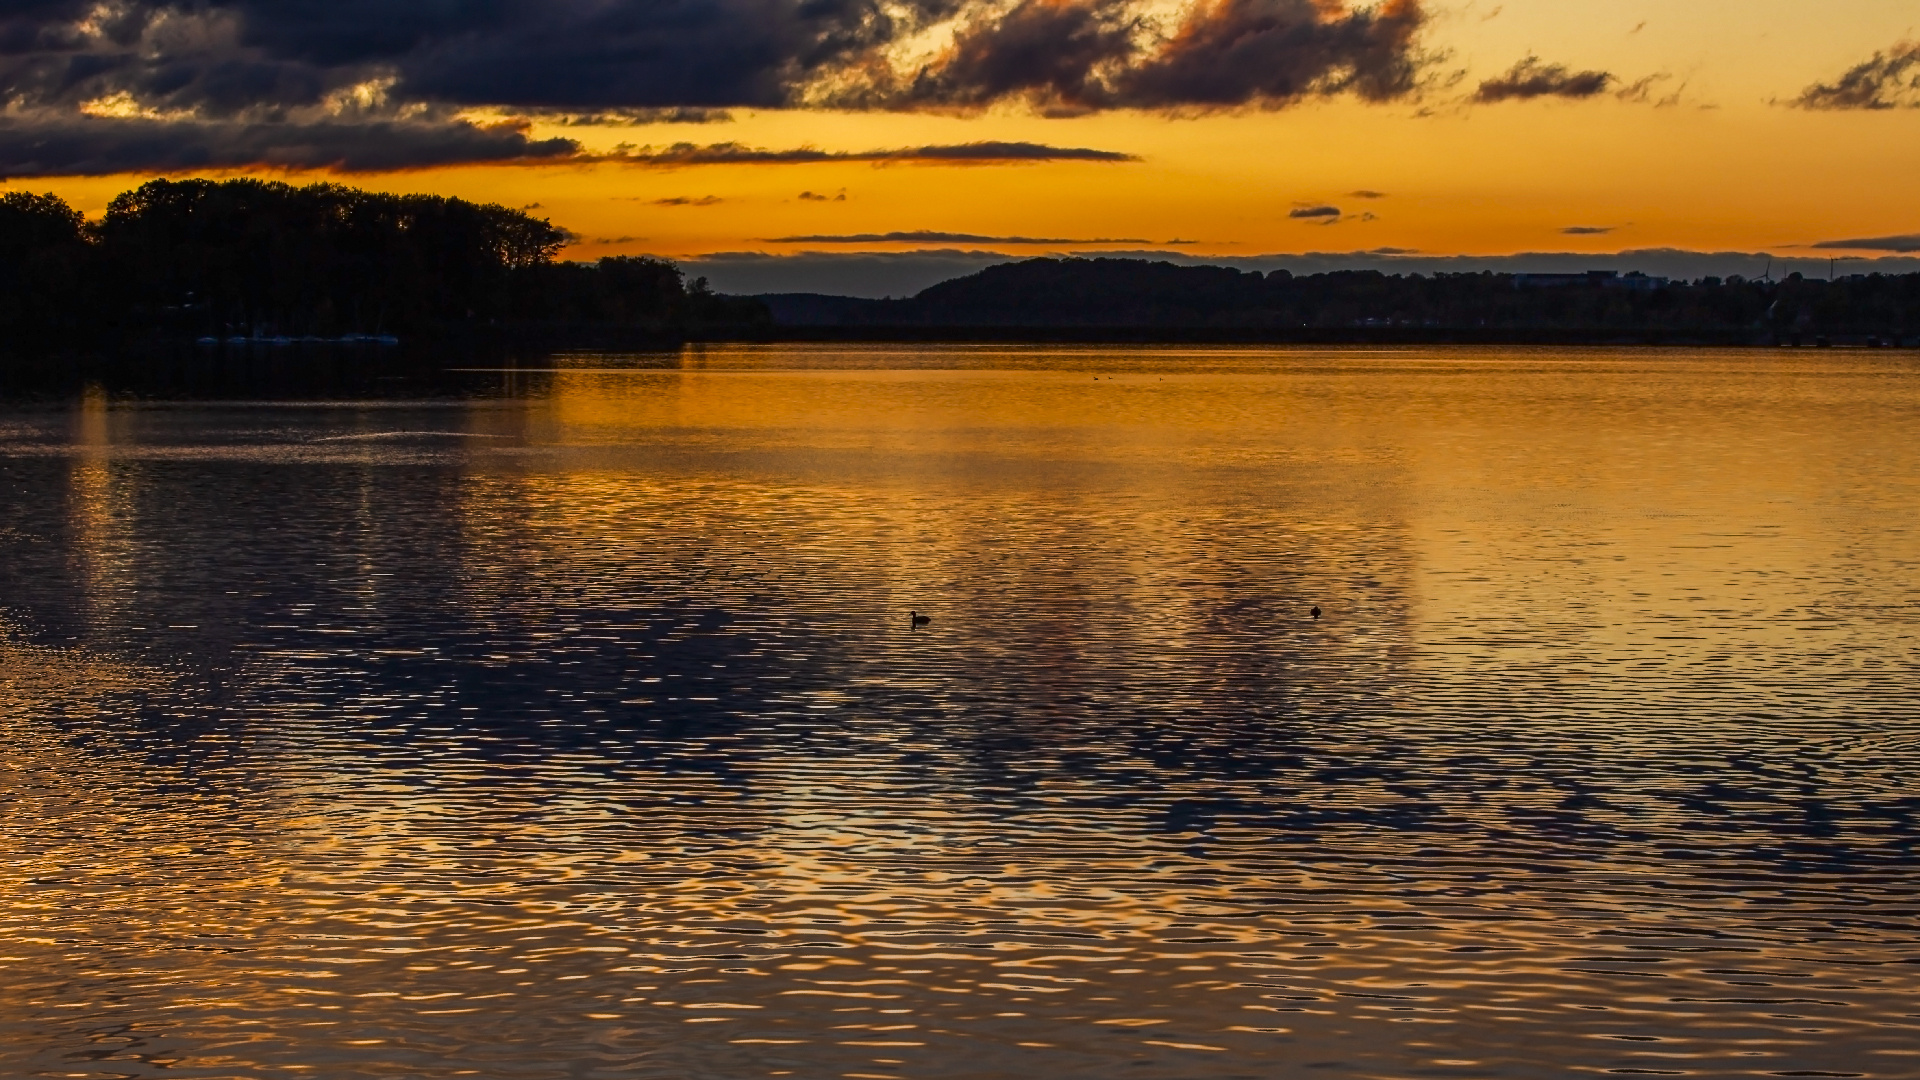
<point>576,728</point>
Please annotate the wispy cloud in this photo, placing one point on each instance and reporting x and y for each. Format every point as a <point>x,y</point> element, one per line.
<point>928,236</point>
<point>688,200</point>
<point>1890,80</point>
<point>1363,193</point>
<point>1901,244</point>
<point>1587,230</point>
<point>628,117</point>
<point>1642,92</point>
<point>974,153</point>
<point>1327,215</point>
<point>1532,78</point>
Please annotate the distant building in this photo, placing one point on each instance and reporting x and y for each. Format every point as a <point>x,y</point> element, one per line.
<point>1603,279</point>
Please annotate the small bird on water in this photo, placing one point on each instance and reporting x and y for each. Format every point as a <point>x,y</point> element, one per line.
<point>919,619</point>
<point>1316,613</point>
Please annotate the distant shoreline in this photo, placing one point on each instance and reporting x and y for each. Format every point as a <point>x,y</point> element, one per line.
<point>1358,335</point>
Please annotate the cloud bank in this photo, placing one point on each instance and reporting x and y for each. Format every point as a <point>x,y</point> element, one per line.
<point>167,85</point>
<point>98,146</point>
<point>976,153</point>
<point>1902,244</point>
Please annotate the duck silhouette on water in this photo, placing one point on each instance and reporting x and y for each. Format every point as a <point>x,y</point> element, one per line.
<point>1316,614</point>
<point>917,620</point>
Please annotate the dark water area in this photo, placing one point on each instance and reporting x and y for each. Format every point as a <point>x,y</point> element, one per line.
<point>570,723</point>
<point>286,370</point>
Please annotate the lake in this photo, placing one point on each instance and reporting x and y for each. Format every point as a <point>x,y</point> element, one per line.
<point>573,725</point>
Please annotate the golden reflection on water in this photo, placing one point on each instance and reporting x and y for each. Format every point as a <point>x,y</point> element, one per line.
<point>581,732</point>
<point>103,530</point>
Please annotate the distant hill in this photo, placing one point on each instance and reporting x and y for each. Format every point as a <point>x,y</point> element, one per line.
<point>1134,298</point>
<point>820,309</point>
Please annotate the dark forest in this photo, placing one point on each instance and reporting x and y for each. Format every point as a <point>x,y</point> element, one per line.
<point>194,259</point>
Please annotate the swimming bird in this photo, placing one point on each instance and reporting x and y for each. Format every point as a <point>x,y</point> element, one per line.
<point>919,619</point>
<point>1316,613</point>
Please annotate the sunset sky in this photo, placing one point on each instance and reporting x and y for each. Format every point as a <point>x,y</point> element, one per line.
<point>1223,128</point>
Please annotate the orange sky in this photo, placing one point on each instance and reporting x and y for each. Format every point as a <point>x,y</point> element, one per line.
<point>1709,158</point>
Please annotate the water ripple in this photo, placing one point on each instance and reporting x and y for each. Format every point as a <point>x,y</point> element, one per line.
<point>601,746</point>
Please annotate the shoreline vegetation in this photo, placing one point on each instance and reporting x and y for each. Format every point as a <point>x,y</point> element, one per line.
<point>190,278</point>
<point>252,262</point>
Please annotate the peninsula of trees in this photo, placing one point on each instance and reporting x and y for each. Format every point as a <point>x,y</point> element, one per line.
<point>193,259</point>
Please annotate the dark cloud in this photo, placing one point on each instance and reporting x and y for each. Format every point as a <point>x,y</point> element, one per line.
<point>1891,80</point>
<point>1066,56</point>
<point>599,53</point>
<point>979,153</point>
<point>1310,213</point>
<point>1365,194</point>
<point>1531,79</point>
<point>688,200</point>
<point>932,237</point>
<point>620,61</point>
<point>808,196</point>
<point>1586,230</point>
<point>998,152</point>
<point>1236,52</point>
<point>631,117</point>
<point>97,146</point>
<point>153,85</point>
<point>1899,244</point>
<point>579,55</point>
<point>1051,52</point>
<point>197,83</point>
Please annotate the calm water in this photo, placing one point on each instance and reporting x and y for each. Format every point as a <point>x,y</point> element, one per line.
<point>576,729</point>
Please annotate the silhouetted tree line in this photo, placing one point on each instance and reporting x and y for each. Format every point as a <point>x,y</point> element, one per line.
<point>195,258</point>
<point>1118,293</point>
